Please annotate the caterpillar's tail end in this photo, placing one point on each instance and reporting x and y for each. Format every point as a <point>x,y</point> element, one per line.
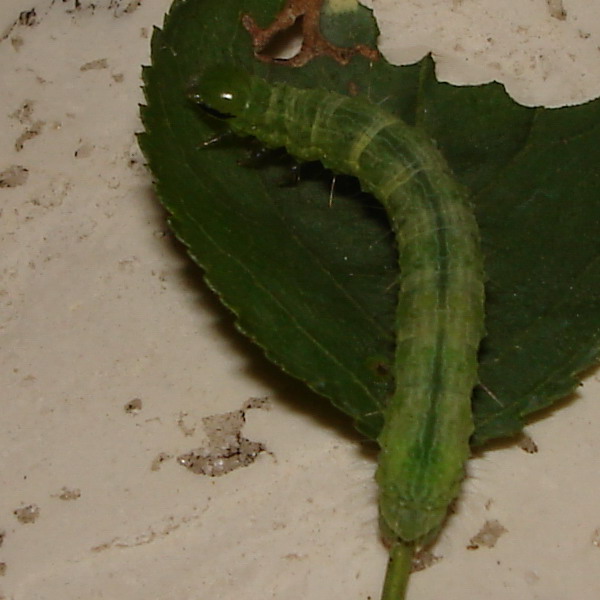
<point>398,570</point>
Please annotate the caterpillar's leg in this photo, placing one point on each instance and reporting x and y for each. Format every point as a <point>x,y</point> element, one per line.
<point>256,157</point>
<point>218,138</point>
<point>262,156</point>
<point>292,177</point>
<point>331,190</point>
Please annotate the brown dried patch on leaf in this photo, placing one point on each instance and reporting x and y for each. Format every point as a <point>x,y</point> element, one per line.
<point>307,13</point>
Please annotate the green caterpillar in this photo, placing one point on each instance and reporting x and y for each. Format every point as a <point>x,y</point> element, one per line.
<point>425,439</point>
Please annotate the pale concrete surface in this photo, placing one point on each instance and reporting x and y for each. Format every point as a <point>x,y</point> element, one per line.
<point>545,52</point>
<point>99,308</point>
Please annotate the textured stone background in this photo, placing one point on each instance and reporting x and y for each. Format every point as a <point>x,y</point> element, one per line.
<point>113,355</point>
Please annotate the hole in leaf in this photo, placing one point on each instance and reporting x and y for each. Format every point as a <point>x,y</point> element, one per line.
<point>285,44</point>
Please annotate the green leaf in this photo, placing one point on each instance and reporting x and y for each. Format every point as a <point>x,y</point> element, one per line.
<point>313,281</point>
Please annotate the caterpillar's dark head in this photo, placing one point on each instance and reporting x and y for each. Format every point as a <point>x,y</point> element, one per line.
<point>223,89</point>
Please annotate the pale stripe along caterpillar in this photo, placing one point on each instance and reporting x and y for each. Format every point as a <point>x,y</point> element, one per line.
<point>439,323</point>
